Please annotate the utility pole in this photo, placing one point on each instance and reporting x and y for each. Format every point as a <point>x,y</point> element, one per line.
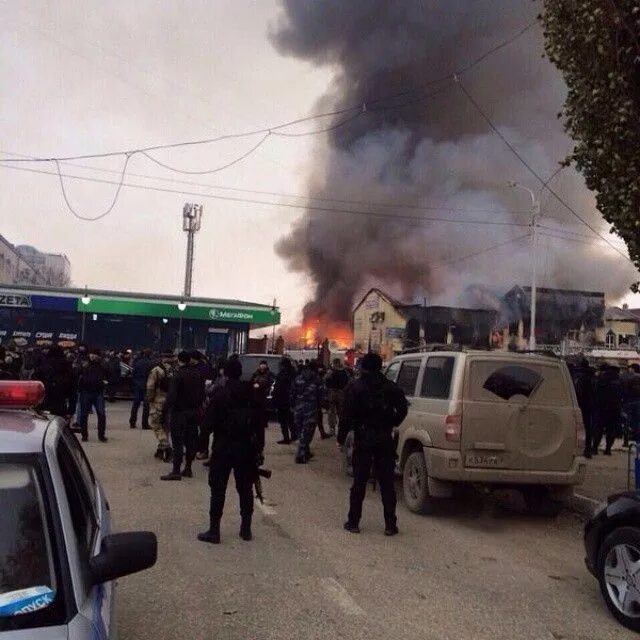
<point>191,222</point>
<point>533,223</point>
<point>273,337</point>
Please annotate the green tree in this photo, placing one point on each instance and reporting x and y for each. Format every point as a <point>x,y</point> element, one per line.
<point>596,46</point>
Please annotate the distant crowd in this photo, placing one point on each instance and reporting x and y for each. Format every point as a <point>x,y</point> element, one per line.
<point>78,382</point>
<point>609,400</point>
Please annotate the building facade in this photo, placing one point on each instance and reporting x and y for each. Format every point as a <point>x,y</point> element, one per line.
<point>27,266</point>
<point>378,324</point>
<point>620,330</point>
<point>42,316</point>
<point>54,267</point>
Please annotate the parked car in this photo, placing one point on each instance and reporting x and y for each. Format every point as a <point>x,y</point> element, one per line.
<point>612,543</point>
<point>58,556</point>
<point>489,418</point>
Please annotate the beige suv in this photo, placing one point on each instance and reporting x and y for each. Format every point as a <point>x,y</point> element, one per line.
<point>497,419</point>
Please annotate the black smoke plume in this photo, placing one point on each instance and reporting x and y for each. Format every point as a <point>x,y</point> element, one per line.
<point>433,151</point>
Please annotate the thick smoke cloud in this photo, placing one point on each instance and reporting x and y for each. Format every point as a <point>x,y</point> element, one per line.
<point>434,152</point>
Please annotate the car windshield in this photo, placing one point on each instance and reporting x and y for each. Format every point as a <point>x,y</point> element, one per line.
<point>27,575</point>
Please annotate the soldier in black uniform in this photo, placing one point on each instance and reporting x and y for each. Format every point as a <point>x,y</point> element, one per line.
<point>238,441</point>
<point>184,403</point>
<point>373,407</point>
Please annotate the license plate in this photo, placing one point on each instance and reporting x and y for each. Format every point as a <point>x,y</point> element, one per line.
<point>483,460</point>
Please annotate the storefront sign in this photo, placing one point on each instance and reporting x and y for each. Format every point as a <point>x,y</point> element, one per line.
<point>194,311</point>
<point>13,300</point>
<point>395,332</point>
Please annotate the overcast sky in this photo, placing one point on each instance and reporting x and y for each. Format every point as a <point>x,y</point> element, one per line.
<point>85,76</point>
<point>82,76</point>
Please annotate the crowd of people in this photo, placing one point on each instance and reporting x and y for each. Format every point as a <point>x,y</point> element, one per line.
<point>210,411</point>
<point>609,400</point>
<point>200,410</point>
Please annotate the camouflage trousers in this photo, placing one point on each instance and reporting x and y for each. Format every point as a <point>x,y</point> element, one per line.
<point>156,423</point>
<point>305,428</point>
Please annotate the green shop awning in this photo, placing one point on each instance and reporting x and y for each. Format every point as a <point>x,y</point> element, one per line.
<point>193,310</point>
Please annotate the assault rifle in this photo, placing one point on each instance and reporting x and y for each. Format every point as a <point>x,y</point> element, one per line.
<point>257,481</point>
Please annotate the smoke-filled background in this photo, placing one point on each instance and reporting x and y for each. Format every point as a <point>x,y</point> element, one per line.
<point>435,152</point>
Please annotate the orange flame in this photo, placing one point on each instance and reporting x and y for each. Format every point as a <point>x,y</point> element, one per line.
<point>313,332</point>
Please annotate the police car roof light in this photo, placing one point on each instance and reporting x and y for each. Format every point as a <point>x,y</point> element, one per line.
<point>21,393</point>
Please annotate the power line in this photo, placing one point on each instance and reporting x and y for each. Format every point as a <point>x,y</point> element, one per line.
<point>567,239</point>
<point>108,210</point>
<point>478,253</point>
<point>207,171</point>
<point>533,172</point>
<point>363,203</point>
<point>276,128</point>
<point>358,212</point>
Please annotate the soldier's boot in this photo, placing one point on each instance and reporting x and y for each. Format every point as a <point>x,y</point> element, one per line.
<point>212,536</point>
<point>167,455</point>
<point>159,453</point>
<point>245,529</point>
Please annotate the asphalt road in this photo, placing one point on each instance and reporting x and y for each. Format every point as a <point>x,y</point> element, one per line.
<point>475,570</point>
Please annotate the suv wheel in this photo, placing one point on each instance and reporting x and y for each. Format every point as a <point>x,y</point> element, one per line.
<point>539,501</point>
<point>618,571</point>
<point>415,484</point>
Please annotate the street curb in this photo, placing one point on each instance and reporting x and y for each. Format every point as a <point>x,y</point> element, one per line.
<point>582,504</point>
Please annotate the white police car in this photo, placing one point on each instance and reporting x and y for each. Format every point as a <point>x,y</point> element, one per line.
<point>58,558</point>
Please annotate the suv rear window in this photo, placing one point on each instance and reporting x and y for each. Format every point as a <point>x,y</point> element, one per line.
<point>495,381</point>
<point>408,376</point>
<point>436,382</point>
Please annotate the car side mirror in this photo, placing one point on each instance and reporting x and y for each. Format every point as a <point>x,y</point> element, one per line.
<point>122,554</point>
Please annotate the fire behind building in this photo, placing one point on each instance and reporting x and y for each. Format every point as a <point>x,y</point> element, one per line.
<point>388,326</point>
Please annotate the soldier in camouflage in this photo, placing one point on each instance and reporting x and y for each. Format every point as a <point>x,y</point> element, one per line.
<point>305,401</point>
<point>157,389</point>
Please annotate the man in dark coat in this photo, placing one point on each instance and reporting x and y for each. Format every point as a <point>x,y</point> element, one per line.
<point>184,405</point>
<point>238,443</point>
<point>608,407</point>
<point>583,382</point>
<point>56,374</point>
<point>282,400</point>
<point>93,374</point>
<point>141,369</point>
<point>373,407</point>
<point>262,381</point>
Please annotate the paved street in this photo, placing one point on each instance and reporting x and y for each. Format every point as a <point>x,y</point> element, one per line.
<point>472,571</point>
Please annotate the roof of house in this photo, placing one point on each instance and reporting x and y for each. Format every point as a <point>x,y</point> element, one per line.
<point>616,313</point>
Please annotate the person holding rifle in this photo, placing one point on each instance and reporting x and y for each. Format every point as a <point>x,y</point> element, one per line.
<point>234,418</point>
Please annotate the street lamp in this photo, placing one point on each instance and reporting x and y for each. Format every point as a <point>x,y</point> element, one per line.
<point>181,307</point>
<point>86,298</point>
<point>535,215</point>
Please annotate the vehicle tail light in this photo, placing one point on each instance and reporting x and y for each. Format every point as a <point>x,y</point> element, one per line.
<point>452,424</point>
<point>21,393</point>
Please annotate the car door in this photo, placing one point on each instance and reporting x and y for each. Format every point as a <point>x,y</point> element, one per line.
<point>431,405</point>
<point>517,414</point>
<point>89,521</point>
<point>408,372</point>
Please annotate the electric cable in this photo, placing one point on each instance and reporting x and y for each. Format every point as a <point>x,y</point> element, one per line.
<point>533,172</point>
<point>358,212</point>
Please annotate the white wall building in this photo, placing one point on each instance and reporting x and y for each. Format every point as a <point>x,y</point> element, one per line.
<point>27,265</point>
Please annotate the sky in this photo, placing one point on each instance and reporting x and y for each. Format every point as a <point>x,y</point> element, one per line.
<point>85,76</point>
